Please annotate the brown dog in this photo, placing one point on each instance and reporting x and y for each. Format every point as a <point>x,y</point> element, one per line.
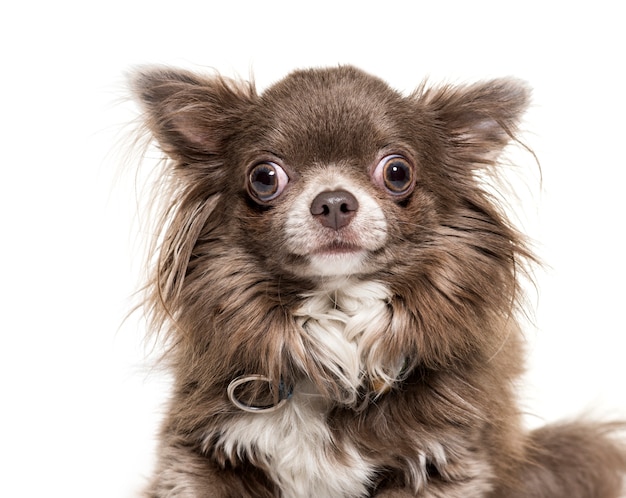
<point>338,295</point>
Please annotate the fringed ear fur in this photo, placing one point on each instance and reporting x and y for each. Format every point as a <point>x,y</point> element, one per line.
<point>190,116</point>
<point>479,120</point>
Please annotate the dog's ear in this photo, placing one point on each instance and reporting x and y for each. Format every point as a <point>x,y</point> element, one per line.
<point>478,120</point>
<point>189,115</point>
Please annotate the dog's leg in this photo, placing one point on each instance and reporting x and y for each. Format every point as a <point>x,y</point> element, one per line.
<point>184,473</point>
<point>469,477</point>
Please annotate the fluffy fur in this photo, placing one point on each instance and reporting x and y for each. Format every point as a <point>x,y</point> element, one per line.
<point>330,240</point>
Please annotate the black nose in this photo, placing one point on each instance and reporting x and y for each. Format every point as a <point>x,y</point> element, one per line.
<point>334,209</point>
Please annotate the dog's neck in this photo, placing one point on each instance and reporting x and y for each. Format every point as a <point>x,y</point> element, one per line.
<point>345,322</point>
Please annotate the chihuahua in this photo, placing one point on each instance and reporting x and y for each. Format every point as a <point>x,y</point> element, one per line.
<point>338,295</point>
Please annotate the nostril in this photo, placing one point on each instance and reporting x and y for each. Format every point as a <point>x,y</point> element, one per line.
<point>334,209</point>
<point>344,208</point>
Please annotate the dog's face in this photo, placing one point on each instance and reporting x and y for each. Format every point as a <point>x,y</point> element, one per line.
<point>330,172</point>
<point>328,184</point>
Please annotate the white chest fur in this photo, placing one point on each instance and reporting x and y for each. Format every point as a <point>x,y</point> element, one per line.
<point>295,441</point>
<point>298,448</point>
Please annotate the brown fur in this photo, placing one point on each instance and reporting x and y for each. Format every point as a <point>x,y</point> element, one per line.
<point>225,288</point>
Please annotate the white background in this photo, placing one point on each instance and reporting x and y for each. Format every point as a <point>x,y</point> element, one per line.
<point>79,408</point>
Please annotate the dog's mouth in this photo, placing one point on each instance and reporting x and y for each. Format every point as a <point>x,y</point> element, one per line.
<point>337,249</point>
<point>337,258</point>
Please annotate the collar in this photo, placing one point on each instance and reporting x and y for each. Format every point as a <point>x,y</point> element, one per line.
<point>284,394</point>
<point>379,386</point>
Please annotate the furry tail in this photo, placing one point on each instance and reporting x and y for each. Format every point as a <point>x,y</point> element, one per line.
<point>573,460</point>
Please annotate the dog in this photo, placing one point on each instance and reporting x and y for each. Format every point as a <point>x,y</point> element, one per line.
<point>338,295</point>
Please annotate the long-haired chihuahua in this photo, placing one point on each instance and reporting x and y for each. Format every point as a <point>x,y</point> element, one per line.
<point>338,295</point>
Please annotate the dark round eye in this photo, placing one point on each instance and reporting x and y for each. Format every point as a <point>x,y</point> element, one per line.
<point>267,181</point>
<point>395,174</point>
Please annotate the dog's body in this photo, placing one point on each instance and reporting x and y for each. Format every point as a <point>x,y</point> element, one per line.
<point>338,294</point>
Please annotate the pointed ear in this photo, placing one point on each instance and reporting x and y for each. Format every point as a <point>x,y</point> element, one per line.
<point>189,115</point>
<point>480,119</point>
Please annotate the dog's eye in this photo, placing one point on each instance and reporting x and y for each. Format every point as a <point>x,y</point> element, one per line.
<point>267,181</point>
<point>395,174</point>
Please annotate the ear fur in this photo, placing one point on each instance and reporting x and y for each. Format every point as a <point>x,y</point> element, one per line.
<point>480,119</point>
<point>191,116</point>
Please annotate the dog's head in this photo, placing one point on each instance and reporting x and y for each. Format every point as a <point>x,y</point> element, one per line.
<point>330,172</point>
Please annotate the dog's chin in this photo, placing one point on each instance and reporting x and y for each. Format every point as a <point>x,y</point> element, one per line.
<point>337,261</point>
